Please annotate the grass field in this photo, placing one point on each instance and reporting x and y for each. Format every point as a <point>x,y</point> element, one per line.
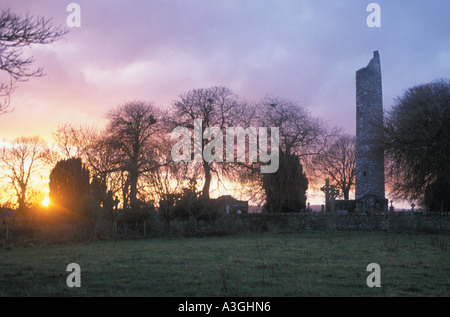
<point>303,264</point>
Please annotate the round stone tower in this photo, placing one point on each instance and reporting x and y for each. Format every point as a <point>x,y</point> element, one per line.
<point>369,182</point>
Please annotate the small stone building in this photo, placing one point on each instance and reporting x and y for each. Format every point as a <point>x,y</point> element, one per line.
<point>230,206</point>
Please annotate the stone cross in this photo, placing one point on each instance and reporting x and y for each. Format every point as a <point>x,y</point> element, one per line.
<point>330,194</point>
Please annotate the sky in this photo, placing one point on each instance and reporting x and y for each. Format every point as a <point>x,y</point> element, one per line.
<point>154,50</point>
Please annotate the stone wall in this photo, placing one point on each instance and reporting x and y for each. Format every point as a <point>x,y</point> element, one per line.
<point>389,222</point>
<point>284,223</point>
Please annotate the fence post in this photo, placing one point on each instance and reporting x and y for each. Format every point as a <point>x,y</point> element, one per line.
<point>7,233</point>
<point>145,231</point>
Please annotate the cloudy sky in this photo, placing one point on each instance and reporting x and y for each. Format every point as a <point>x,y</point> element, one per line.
<point>305,50</point>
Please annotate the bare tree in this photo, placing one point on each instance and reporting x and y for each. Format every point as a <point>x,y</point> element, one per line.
<point>301,136</point>
<point>167,184</point>
<point>216,107</point>
<point>23,160</point>
<point>167,180</point>
<point>103,160</point>
<point>129,133</point>
<point>16,33</point>
<point>72,141</point>
<point>300,133</point>
<point>338,162</point>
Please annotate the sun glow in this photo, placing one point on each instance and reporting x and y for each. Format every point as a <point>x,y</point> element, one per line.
<point>45,202</point>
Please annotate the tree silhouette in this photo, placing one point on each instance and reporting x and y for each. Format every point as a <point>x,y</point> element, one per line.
<point>129,133</point>
<point>16,33</point>
<point>23,160</point>
<point>216,107</point>
<point>69,184</point>
<point>338,163</point>
<point>301,137</point>
<point>417,138</point>
<point>286,189</point>
<point>300,132</point>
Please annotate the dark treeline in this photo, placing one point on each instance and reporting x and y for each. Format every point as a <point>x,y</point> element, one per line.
<point>131,162</point>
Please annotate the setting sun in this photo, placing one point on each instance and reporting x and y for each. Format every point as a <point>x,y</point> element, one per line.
<point>45,202</point>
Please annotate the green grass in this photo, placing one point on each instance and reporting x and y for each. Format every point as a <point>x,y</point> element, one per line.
<point>303,264</point>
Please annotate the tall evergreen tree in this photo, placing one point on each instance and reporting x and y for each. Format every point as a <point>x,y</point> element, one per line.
<point>69,183</point>
<point>286,189</point>
<point>417,132</point>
